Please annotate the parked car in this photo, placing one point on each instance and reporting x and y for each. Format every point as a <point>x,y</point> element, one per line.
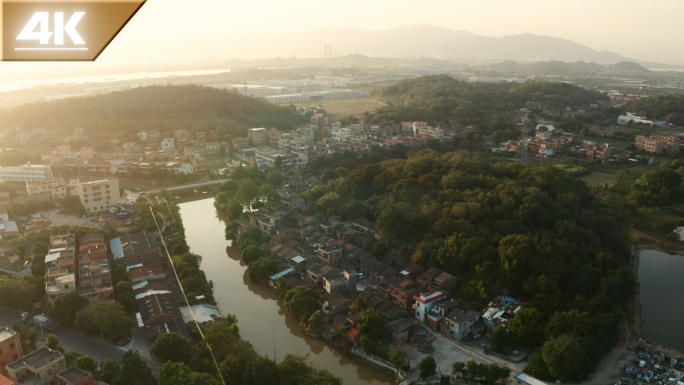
<point>124,341</point>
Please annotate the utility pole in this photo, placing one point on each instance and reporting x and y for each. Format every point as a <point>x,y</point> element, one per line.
<point>524,138</point>
<point>274,352</point>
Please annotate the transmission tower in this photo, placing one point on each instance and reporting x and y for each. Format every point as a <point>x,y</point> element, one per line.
<point>524,139</point>
<point>245,87</point>
<point>328,55</point>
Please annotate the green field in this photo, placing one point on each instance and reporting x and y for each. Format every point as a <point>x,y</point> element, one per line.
<point>623,185</point>
<point>345,107</point>
<point>596,178</point>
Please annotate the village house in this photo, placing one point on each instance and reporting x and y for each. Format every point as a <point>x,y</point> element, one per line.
<point>135,245</point>
<point>334,304</point>
<point>500,311</point>
<point>424,302</point>
<point>10,348</point>
<point>40,366</point>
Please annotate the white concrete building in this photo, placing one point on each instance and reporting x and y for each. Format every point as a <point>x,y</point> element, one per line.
<point>26,173</point>
<point>143,136</point>
<point>168,144</point>
<point>100,194</point>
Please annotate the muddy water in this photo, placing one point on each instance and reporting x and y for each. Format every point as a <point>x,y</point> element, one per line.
<point>661,279</point>
<point>257,308</point>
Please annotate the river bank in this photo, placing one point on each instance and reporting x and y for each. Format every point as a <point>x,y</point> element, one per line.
<point>262,318</point>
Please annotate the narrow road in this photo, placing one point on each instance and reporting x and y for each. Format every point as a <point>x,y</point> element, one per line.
<point>194,185</point>
<point>374,101</point>
<point>77,342</point>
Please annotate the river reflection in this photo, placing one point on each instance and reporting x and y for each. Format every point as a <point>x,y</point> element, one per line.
<point>661,280</point>
<point>256,306</point>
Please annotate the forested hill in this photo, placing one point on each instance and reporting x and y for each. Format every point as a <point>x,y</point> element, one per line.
<point>440,97</point>
<point>666,107</point>
<point>189,107</point>
<point>530,231</point>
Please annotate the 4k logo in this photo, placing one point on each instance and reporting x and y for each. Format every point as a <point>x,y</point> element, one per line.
<point>41,19</point>
<point>55,31</point>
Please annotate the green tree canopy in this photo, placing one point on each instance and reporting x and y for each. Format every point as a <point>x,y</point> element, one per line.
<point>659,187</point>
<point>65,307</point>
<point>371,324</point>
<point>301,302</point>
<point>86,363</point>
<point>173,347</point>
<point>428,367</point>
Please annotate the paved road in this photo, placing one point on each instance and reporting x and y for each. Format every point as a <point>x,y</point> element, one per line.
<point>194,185</point>
<point>98,349</point>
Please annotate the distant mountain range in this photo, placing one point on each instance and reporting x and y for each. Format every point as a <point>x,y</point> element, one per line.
<point>410,40</point>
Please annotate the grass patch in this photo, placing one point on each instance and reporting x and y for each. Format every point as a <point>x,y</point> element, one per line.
<point>624,183</point>
<point>596,178</point>
<point>344,107</point>
<point>622,165</point>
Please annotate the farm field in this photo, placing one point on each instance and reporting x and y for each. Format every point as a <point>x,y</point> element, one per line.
<point>344,107</point>
<point>596,178</point>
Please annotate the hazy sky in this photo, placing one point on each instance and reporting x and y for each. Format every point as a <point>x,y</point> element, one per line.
<point>645,30</point>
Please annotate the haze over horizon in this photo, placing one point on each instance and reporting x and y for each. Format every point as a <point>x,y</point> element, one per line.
<point>172,31</point>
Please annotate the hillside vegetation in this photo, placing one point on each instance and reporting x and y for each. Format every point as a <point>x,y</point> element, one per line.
<point>531,231</point>
<point>666,107</point>
<point>440,97</point>
<point>153,108</point>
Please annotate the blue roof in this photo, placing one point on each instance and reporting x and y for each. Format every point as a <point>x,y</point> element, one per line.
<point>282,273</point>
<point>117,249</point>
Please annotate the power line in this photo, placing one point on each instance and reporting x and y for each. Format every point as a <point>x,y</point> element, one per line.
<point>173,267</point>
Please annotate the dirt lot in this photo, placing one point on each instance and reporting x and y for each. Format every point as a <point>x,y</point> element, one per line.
<point>68,219</point>
<point>72,220</point>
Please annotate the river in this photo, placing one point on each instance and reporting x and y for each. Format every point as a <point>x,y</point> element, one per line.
<point>11,86</point>
<point>256,306</point>
<point>661,278</point>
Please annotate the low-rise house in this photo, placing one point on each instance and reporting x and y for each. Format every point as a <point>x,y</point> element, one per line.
<point>14,267</point>
<point>329,255</point>
<point>147,273</point>
<point>135,245</point>
<point>440,309</point>
<point>459,323</point>
<point>157,308</point>
<point>62,283</point>
<point>424,302</point>
<point>335,303</point>
<point>398,330</point>
<point>95,280</point>
<point>75,376</point>
<point>343,282</point>
<point>446,281</point>
<point>500,311</point>
<point>39,367</point>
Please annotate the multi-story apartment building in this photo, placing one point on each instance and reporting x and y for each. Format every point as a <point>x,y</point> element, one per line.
<point>257,137</point>
<point>99,194</point>
<point>55,187</point>
<point>26,173</point>
<point>658,144</point>
<point>168,144</point>
<point>10,348</point>
<point>39,367</point>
